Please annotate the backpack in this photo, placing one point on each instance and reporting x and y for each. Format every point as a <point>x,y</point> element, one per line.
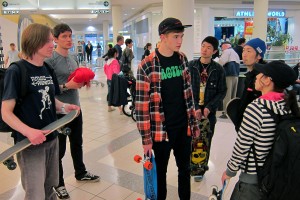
<point>20,64</point>
<point>3,126</point>
<point>279,177</point>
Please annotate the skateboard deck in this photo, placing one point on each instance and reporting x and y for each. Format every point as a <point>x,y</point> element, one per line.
<point>150,178</point>
<point>200,151</point>
<point>232,110</point>
<point>219,195</point>
<point>26,143</point>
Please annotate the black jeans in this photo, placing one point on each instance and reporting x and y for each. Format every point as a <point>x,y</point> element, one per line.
<point>181,145</point>
<point>75,139</point>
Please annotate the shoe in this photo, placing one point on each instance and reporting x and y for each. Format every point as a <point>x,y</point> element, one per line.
<point>89,177</point>
<point>223,116</point>
<point>61,192</point>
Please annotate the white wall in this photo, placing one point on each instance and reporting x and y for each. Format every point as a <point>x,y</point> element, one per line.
<point>9,31</point>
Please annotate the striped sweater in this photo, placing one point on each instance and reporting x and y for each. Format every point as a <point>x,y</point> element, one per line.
<point>257,127</point>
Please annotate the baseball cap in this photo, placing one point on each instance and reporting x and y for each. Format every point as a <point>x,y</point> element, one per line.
<point>258,45</point>
<point>170,24</point>
<point>281,74</point>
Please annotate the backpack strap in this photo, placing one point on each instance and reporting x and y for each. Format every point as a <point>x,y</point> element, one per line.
<point>23,70</point>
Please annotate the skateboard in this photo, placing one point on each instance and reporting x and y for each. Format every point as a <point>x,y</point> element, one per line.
<point>150,176</point>
<point>218,195</point>
<point>200,151</point>
<point>232,110</point>
<point>26,143</point>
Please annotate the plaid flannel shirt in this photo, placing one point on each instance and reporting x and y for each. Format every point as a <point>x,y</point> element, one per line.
<point>148,106</point>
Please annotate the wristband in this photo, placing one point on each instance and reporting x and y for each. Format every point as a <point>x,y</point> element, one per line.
<point>63,110</point>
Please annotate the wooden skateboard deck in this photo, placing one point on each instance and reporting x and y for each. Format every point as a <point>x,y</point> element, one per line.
<point>232,110</point>
<point>26,143</point>
<point>200,151</point>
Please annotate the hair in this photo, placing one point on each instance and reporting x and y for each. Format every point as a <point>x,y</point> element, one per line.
<point>111,52</point>
<point>128,41</point>
<point>211,40</point>
<point>241,41</point>
<point>12,44</point>
<point>291,102</point>
<point>61,28</point>
<point>110,46</point>
<point>147,45</point>
<point>34,37</point>
<point>120,37</point>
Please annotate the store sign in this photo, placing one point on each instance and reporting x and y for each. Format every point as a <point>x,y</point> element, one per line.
<point>250,13</point>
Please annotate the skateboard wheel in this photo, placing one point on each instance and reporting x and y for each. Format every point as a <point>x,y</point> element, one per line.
<point>66,131</point>
<point>148,165</point>
<point>10,164</point>
<point>198,178</point>
<point>214,189</point>
<point>212,197</point>
<point>137,158</point>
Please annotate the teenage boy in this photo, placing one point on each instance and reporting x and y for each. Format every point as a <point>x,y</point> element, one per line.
<point>254,51</point>
<point>208,82</point>
<point>165,107</point>
<point>64,64</point>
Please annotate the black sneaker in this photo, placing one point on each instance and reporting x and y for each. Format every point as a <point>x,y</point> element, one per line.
<point>61,192</point>
<point>223,116</point>
<point>89,177</point>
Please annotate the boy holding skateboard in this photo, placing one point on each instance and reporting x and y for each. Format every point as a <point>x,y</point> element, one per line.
<point>208,82</point>
<point>39,162</point>
<point>64,64</point>
<point>165,107</point>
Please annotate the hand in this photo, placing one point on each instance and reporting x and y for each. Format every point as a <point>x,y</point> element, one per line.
<point>36,136</point>
<point>147,150</point>
<point>73,85</point>
<point>224,177</point>
<point>70,107</point>
<point>206,112</point>
<point>198,114</point>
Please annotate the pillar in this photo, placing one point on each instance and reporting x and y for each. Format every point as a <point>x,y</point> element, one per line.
<point>105,34</point>
<point>116,22</point>
<point>260,19</point>
<point>184,11</point>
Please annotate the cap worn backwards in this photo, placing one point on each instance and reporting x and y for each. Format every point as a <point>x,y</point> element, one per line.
<point>281,74</point>
<point>258,45</point>
<point>170,24</point>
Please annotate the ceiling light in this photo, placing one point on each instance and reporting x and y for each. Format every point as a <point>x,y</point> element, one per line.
<point>132,8</point>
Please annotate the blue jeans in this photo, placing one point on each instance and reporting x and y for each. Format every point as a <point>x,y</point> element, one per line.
<point>181,145</point>
<point>39,170</point>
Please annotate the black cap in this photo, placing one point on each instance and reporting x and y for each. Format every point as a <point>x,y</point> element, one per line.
<point>170,24</point>
<point>281,74</point>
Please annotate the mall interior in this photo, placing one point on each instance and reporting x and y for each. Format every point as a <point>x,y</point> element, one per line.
<point>111,140</point>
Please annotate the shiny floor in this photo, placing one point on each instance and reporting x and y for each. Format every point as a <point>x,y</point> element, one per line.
<point>110,142</point>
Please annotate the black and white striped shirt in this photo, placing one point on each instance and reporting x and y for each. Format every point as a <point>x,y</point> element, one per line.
<point>258,127</point>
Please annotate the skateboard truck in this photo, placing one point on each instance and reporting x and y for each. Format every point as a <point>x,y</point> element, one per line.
<point>10,163</point>
<point>65,131</point>
<point>146,162</point>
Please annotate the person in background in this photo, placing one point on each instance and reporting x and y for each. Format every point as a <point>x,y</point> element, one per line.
<point>128,54</point>
<point>165,107</point>
<point>258,127</point>
<point>99,49</point>
<point>239,48</point>
<point>231,64</point>
<point>254,51</point>
<point>105,55</point>
<point>89,52</point>
<point>120,42</point>
<point>83,50</point>
<point>13,55</point>
<point>296,85</point>
<point>79,51</point>
<point>64,64</point>
<point>39,162</point>
<point>147,49</point>
<point>111,67</point>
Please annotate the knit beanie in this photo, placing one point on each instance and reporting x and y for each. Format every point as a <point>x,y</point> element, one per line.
<point>258,45</point>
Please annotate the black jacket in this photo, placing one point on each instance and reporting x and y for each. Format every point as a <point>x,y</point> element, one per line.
<point>118,91</point>
<point>215,89</point>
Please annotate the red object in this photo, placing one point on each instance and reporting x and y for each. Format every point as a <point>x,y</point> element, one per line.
<point>82,75</point>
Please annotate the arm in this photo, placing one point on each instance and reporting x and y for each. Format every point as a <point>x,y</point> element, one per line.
<point>64,107</point>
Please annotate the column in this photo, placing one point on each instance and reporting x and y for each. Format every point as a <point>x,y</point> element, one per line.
<point>105,30</point>
<point>260,19</point>
<point>184,11</point>
<point>116,21</point>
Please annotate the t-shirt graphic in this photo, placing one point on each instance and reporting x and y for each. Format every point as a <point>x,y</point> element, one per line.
<point>203,78</point>
<point>46,101</point>
<point>171,72</point>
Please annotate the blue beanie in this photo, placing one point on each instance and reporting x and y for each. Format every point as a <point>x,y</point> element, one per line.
<point>258,45</point>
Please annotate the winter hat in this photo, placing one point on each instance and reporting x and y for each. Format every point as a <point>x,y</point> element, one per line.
<point>281,74</point>
<point>258,45</point>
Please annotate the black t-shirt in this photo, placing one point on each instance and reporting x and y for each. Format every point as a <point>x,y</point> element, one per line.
<point>38,106</point>
<point>172,91</point>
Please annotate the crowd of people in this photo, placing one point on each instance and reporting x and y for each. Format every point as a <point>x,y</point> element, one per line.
<point>172,96</point>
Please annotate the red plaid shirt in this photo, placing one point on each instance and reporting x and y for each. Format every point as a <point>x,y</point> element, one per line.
<point>148,105</point>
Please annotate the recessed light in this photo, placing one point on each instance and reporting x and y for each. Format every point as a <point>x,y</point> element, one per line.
<point>132,8</point>
<point>125,14</point>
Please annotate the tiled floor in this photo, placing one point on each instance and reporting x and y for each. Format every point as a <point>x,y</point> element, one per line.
<point>110,142</point>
